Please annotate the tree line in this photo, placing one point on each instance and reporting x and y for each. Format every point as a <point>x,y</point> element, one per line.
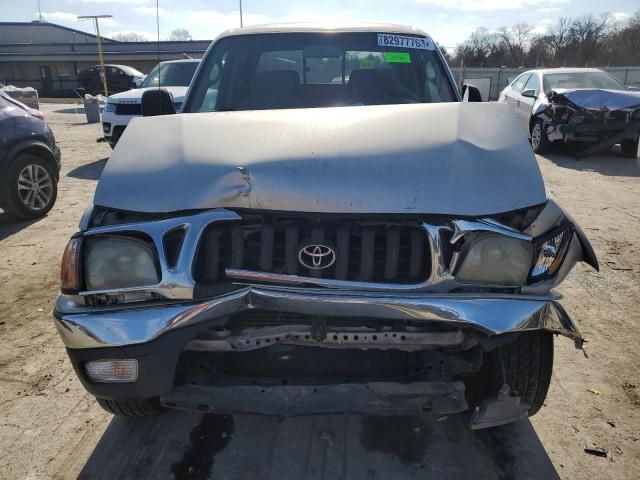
<point>179,34</point>
<point>583,41</point>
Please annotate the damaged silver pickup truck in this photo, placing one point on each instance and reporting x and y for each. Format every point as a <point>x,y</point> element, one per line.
<point>327,228</point>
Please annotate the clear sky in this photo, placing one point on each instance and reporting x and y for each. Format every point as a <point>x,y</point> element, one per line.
<point>448,22</point>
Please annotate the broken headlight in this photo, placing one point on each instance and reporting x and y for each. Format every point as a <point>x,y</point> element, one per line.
<point>115,262</point>
<point>549,253</point>
<point>493,259</point>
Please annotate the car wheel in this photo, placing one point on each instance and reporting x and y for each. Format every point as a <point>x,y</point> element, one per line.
<point>539,141</point>
<point>629,147</point>
<point>132,408</point>
<point>32,187</point>
<point>525,365</point>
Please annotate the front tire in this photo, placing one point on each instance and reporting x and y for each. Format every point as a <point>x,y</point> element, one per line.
<point>524,364</point>
<point>132,408</point>
<point>539,140</point>
<point>629,147</point>
<point>32,187</point>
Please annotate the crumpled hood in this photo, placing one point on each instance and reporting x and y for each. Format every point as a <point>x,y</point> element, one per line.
<point>135,95</point>
<point>599,99</point>
<point>447,158</point>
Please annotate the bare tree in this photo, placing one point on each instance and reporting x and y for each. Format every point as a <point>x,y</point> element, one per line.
<point>581,41</point>
<point>445,54</point>
<point>180,34</point>
<point>558,38</point>
<point>130,37</point>
<point>587,35</point>
<point>516,39</point>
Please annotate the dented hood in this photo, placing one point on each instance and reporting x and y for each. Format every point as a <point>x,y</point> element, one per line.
<point>599,99</point>
<point>454,158</point>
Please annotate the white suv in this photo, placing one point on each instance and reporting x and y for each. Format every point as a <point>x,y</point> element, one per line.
<point>174,75</point>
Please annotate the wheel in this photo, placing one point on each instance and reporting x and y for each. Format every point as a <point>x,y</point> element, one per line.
<point>524,364</point>
<point>32,187</point>
<point>132,408</point>
<point>629,147</point>
<point>539,141</point>
<point>115,136</point>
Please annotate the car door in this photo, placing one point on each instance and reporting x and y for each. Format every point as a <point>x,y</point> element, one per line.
<point>513,93</point>
<point>524,104</point>
<point>114,79</point>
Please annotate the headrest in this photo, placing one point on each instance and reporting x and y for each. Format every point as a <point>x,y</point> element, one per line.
<point>367,79</point>
<point>275,82</point>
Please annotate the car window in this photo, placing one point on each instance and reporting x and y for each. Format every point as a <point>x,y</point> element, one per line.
<point>176,74</point>
<point>518,84</point>
<point>533,83</point>
<point>307,70</point>
<point>581,80</point>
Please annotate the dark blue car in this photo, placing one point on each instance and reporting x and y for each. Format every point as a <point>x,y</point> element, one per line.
<point>29,161</point>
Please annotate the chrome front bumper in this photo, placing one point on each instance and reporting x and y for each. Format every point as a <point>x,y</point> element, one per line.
<point>85,327</point>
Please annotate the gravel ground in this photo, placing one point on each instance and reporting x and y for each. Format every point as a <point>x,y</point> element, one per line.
<point>50,428</point>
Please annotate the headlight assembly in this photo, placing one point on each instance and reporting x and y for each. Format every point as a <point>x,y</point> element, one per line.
<point>494,259</point>
<point>550,251</point>
<point>115,262</point>
<point>110,107</point>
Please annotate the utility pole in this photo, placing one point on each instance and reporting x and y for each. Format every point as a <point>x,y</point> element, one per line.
<point>40,17</point>
<point>240,13</point>
<point>103,75</point>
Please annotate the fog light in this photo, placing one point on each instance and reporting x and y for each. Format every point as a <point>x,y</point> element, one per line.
<point>113,371</point>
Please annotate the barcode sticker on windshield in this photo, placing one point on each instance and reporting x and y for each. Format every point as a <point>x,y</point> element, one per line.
<point>387,40</point>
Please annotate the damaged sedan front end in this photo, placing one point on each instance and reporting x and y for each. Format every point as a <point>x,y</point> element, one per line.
<point>599,117</point>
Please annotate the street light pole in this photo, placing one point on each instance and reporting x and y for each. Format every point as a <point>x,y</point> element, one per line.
<point>103,75</point>
<point>240,13</point>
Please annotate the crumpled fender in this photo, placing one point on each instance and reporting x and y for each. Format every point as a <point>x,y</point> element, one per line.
<point>540,105</point>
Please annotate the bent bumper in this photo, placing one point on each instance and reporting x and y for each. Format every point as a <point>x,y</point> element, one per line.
<point>91,328</point>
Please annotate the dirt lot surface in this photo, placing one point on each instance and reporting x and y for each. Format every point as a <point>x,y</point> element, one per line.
<point>50,428</point>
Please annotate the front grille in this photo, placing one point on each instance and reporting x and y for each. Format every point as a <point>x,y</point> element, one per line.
<point>128,109</point>
<point>365,251</point>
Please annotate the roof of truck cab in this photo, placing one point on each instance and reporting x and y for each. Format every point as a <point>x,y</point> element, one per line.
<point>332,27</point>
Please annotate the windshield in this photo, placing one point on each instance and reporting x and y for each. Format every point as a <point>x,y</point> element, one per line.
<point>581,80</point>
<point>305,70</point>
<point>177,74</point>
<point>130,70</point>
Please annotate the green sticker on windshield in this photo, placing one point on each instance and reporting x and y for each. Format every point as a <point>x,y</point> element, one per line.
<point>397,57</point>
<point>367,63</point>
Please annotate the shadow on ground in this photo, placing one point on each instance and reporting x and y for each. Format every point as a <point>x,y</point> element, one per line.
<point>609,164</point>
<point>10,225</point>
<point>183,445</point>
<point>90,171</point>
<point>77,109</point>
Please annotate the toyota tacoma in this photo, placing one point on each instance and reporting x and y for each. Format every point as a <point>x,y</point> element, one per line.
<point>326,227</point>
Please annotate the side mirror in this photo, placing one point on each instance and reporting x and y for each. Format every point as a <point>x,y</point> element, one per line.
<point>157,101</point>
<point>529,93</point>
<point>471,93</point>
<point>138,81</point>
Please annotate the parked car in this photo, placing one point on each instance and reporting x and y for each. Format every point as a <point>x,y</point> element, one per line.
<point>174,75</point>
<point>574,105</point>
<point>119,78</point>
<point>291,244</point>
<point>29,161</point>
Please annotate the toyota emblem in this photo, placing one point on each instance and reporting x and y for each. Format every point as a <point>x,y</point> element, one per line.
<point>316,257</point>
